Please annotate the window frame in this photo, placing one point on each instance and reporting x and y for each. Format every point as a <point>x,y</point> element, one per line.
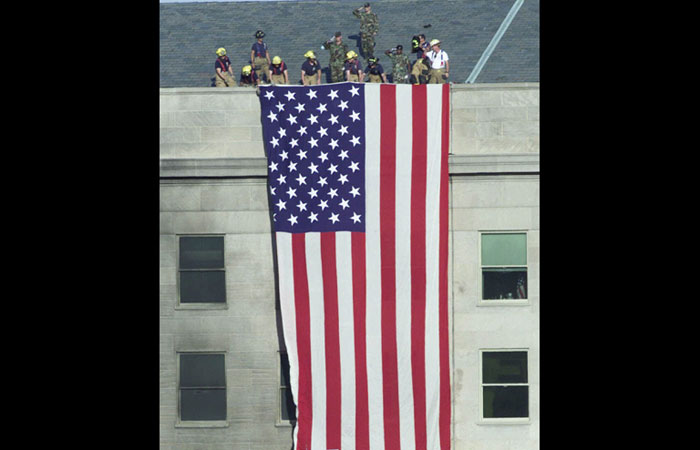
<point>503,420</point>
<point>480,267</point>
<point>199,305</point>
<point>280,422</point>
<point>199,423</point>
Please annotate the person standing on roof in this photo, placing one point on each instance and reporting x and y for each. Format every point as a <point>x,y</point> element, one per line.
<point>338,51</point>
<point>249,77</point>
<point>369,27</point>
<point>401,64</point>
<point>353,71</point>
<point>420,71</point>
<point>224,71</point>
<point>440,63</point>
<point>375,71</point>
<point>278,71</point>
<point>259,56</point>
<point>310,70</point>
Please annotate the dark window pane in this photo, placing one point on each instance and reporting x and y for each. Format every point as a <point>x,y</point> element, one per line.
<point>202,252</point>
<point>203,287</point>
<point>505,401</point>
<point>504,284</point>
<point>202,404</point>
<point>504,367</point>
<point>202,370</point>
<point>284,370</point>
<point>287,405</point>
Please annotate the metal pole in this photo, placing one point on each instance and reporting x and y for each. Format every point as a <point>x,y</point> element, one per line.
<point>494,41</point>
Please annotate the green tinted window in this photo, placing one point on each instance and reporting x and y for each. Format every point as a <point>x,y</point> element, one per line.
<point>504,249</point>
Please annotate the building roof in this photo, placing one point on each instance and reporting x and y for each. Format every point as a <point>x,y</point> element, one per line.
<point>190,33</point>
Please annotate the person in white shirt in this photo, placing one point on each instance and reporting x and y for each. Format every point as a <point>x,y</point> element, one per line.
<point>440,63</point>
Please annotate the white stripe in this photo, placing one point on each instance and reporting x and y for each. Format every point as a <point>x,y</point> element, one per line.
<point>404,150</point>
<point>318,342</point>
<point>432,250</point>
<point>287,308</point>
<point>346,331</point>
<point>373,321</point>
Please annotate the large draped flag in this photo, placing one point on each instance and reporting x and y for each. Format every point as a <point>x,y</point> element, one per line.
<point>358,182</point>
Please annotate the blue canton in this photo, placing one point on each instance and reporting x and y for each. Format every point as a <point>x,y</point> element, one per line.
<point>315,141</point>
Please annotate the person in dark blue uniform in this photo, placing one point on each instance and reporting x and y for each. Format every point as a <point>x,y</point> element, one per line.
<point>259,56</point>
<point>375,71</point>
<point>310,70</point>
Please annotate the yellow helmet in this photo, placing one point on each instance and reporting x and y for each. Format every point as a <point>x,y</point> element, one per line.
<point>351,54</point>
<point>276,60</point>
<point>309,54</point>
<point>220,51</point>
<point>246,70</point>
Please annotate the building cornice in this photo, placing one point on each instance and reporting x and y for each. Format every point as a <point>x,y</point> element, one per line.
<point>517,163</point>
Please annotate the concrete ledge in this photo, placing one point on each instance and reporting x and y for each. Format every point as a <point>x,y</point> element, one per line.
<point>257,167</point>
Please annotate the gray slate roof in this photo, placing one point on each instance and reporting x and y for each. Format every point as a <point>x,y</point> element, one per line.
<point>190,33</point>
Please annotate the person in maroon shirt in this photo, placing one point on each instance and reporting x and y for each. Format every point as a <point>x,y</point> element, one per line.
<point>278,71</point>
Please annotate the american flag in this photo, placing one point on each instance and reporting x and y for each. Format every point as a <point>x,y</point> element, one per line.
<point>520,289</point>
<point>358,190</point>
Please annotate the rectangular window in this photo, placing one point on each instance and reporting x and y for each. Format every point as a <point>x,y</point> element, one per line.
<point>202,385</point>
<point>287,411</point>
<point>504,384</point>
<point>504,266</point>
<point>201,270</point>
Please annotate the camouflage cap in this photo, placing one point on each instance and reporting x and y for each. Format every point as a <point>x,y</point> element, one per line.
<point>337,34</point>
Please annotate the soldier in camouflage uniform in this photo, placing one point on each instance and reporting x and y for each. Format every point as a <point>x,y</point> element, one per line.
<point>402,66</point>
<point>369,27</point>
<point>338,51</point>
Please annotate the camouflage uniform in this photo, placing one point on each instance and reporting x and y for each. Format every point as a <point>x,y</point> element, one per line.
<point>337,62</point>
<point>369,27</point>
<point>399,72</point>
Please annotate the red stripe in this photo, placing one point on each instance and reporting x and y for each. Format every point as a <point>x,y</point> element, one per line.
<point>301,305</point>
<point>418,277</point>
<point>332,339</point>
<point>445,402</point>
<point>359,313</point>
<point>387,222</point>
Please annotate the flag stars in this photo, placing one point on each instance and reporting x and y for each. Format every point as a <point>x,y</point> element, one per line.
<point>321,108</point>
<point>273,166</point>
<point>343,105</point>
<point>313,168</point>
<point>301,179</point>
<point>343,130</point>
<point>282,132</point>
<point>333,193</point>
<point>334,218</point>
<point>333,144</point>
<point>355,116</point>
<point>311,94</point>
<point>343,203</point>
<point>292,166</point>
<point>323,156</point>
<point>353,166</point>
<point>343,178</point>
<point>313,193</point>
<point>293,142</point>
<point>291,119</point>
<point>301,155</point>
<point>301,131</point>
<point>275,142</point>
<point>355,140</point>
<point>269,94</point>
<point>301,205</point>
<point>281,204</point>
<point>289,95</point>
<point>313,142</point>
<point>334,94</point>
<point>291,192</point>
<point>272,116</point>
<point>299,107</point>
<point>354,192</point>
<point>279,106</point>
<point>343,154</point>
<point>333,119</point>
<point>323,205</point>
<point>313,217</point>
<point>355,217</point>
<point>284,155</point>
<point>292,219</point>
<point>332,168</point>
<point>323,131</point>
<point>282,179</point>
<point>355,90</point>
<point>313,119</point>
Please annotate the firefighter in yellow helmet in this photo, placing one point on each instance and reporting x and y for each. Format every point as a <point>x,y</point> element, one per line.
<point>223,76</point>
<point>278,71</point>
<point>248,77</point>
<point>353,70</point>
<point>310,70</point>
